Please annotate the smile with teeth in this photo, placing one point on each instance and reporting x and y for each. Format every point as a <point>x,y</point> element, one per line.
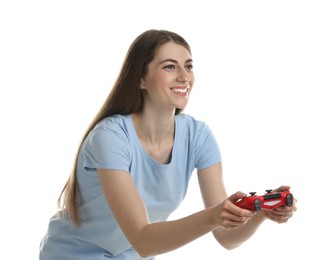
<point>180,90</point>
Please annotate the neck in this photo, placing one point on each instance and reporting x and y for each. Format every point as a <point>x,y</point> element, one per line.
<point>154,128</point>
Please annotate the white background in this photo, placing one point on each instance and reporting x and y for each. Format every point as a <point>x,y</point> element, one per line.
<point>264,80</point>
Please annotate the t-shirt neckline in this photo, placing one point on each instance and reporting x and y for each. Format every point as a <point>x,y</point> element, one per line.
<point>136,138</point>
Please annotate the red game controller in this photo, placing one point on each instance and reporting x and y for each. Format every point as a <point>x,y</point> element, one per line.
<point>270,200</point>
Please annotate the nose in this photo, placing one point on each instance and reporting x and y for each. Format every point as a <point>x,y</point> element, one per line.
<point>183,75</point>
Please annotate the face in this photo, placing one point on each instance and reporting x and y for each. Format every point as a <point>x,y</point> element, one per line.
<point>169,79</point>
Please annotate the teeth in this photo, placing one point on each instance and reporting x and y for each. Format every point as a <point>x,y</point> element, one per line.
<point>180,90</point>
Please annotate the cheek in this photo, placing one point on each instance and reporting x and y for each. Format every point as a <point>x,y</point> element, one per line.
<point>160,78</point>
<point>157,83</point>
<point>192,74</point>
<point>160,81</point>
<point>192,80</point>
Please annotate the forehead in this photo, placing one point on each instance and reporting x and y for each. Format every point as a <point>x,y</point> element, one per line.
<point>172,50</point>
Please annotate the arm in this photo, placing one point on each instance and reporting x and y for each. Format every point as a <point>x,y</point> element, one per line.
<point>213,192</point>
<point>156,238</point>
<point>148,238</point>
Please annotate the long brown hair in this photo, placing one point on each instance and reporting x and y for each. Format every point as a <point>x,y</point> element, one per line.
<point>125,98</point>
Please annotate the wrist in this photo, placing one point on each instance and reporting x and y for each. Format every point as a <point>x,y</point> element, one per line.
<point>212,216</point>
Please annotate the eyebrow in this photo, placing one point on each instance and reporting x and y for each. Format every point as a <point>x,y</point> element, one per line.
<point>175,61</point>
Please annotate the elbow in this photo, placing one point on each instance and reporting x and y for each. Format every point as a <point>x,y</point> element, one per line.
<point>229,246</point>
<point>143,251</point>
<point>226,240</point>
<point>145,243</point>
<point>143,254</point>
<point>143,248</point>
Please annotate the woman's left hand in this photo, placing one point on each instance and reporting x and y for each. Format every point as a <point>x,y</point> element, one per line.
<point>283,213</point>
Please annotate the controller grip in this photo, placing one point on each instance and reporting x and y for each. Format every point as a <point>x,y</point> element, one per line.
<point>250,204</point>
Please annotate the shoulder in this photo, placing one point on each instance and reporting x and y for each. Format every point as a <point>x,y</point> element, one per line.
<point>117,123</point>
<point>113,122</point>
<point>191,129</point>
<point>185,121</point>
<point>116,126</point>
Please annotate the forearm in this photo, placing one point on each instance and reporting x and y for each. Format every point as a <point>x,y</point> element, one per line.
<point>161,237</point>
<point>233,238</point>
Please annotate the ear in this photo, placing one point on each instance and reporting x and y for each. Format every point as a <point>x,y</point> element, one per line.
<point>142,86</point>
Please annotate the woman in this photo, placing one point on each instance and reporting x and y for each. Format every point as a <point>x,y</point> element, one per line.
<point>134,164</point>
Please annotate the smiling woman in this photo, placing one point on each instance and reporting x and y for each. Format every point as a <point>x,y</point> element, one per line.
<point>134,164</point>
<point>171,69</point>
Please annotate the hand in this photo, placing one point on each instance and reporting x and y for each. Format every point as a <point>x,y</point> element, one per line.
<point>230,216</point>
<point>284,213</point>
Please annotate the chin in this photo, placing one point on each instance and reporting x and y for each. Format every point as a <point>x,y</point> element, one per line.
<point>180,107</point>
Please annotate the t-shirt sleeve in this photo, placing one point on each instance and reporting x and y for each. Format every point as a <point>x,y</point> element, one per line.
<point>207,151</point>
<point>107,148</point>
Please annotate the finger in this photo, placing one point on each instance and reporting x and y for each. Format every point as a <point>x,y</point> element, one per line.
<point>284,210</point>
<point>282,219</point>
<point>237,196</point>
<point>240,212</point>
<point>283,188</point>
<point>232,212</point>
<point>280,216</point>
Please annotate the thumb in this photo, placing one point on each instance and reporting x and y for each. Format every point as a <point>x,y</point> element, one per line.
<point>283,188</point>
<point>237,196</point>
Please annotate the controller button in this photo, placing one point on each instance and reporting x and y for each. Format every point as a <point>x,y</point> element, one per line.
<point>257,205</point>
<point>289,200</point>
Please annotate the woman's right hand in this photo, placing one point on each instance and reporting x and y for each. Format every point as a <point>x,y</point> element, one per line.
<point>230,216</point>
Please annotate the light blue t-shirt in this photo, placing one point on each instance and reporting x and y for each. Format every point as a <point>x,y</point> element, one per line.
<point>113,144</point>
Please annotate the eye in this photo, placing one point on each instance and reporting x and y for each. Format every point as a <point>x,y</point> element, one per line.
<point>170,67</point>
<point>189,67</point>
